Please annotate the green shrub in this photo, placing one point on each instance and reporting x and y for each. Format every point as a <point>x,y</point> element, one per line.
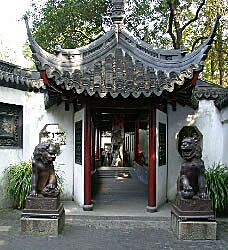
<point>19,181</point>
<point>59,176</point>
<point>217,187</point>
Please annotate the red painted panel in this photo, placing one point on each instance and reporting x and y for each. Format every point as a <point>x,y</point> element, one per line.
<point>44,77</point>
<point>93,147</point>
<point>152,159</point>
<point>195,78</point>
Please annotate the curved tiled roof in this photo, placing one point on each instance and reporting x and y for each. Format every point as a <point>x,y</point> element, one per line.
<point>222,101</point>
<point>119,64</point>
<point>211,91</point>
<point>208,90</point>
<point>13,76</point>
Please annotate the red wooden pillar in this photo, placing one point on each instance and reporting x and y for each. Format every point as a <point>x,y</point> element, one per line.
<point>93,147</point>
<point>88,206</point>
<point>152,161</point>
<point>97,144</point>
<point>136,147</point>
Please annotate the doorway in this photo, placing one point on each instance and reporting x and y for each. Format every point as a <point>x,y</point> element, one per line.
<point>154,132</point>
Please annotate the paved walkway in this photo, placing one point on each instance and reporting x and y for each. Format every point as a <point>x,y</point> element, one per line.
<point>113,225</point>
<point>120,197</point>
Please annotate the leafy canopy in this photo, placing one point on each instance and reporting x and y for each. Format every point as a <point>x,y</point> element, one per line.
<point>69,23</point>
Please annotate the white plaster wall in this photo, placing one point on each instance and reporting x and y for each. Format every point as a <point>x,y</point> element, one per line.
<point>207,120</point>
<point>224,120</point>
<point>79,169</point>
<point>35,117</point>
<point>105,140</point>
<point>209,123</point>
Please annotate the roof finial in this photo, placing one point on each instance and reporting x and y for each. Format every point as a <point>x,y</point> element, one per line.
<point>118,13</point>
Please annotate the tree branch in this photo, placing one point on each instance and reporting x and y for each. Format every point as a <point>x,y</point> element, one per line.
<point>196,16</point>
<point>81,32</point>
<point>170,27</point>
<point>196,41</point>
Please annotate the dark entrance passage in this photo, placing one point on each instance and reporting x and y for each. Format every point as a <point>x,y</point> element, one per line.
<point>123,118</point>
<point>118,191</point>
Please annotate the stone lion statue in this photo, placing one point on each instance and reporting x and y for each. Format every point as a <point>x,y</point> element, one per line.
<point>44,181</point>
<point>191,181</point>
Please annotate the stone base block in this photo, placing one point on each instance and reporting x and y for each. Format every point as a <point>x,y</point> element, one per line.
<point>43,203</point>
<point>193,230</point>
<point>88,207</point>
<point>193,208</point>
<point>42,226</point>
<point>151,209</point>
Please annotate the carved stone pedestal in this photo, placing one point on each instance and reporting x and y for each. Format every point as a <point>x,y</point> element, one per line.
<point>193,219</point>
<point>42,216</point>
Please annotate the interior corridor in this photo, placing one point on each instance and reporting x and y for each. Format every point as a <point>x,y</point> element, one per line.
<point>119,191</point>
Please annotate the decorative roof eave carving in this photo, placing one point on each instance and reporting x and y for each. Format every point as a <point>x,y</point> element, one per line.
<point>13,76</point>
<point>119,74</point>
<point>103,66</point>
<point>209,91</point>
<point>222,101</point>
<point>210,94</point>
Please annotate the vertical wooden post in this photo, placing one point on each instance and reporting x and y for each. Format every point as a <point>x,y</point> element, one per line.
<point>88,206</point>
<point>97,144</point>
<point>136,147</point>
<point>92,147</point>
<point>100,134</point>
<point>152,161</point>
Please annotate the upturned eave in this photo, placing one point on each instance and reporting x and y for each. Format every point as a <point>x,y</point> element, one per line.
<point>120,64</point>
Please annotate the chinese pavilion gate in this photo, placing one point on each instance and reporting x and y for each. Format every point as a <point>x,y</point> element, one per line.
<point>118,76</point>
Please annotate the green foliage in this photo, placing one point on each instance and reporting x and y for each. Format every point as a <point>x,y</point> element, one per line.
<point>217,187</point>
<point>150,20</point>
<point>69,23</point>
<point>19,181</point>
<point>155,20</point>
<point>19,184</point>
<point>59,176</point>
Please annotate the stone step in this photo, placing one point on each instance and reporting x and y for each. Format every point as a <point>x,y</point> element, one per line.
<point>110,172</point>
<point>77,217</point>
<point>113,175</point>
<point>121,222</point>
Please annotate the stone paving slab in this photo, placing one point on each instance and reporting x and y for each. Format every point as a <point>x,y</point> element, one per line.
<point>106,235</point>
<point>5,228</point>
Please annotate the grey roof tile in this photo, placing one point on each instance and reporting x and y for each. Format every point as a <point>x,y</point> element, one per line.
<point>120,64</point>
<point>13,76</point>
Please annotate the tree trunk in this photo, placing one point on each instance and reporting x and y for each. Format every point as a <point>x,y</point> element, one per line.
<point>220,56</point>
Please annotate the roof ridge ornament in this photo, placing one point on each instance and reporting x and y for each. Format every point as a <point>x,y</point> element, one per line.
<point>118,12</point>
<point>118,16</point>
